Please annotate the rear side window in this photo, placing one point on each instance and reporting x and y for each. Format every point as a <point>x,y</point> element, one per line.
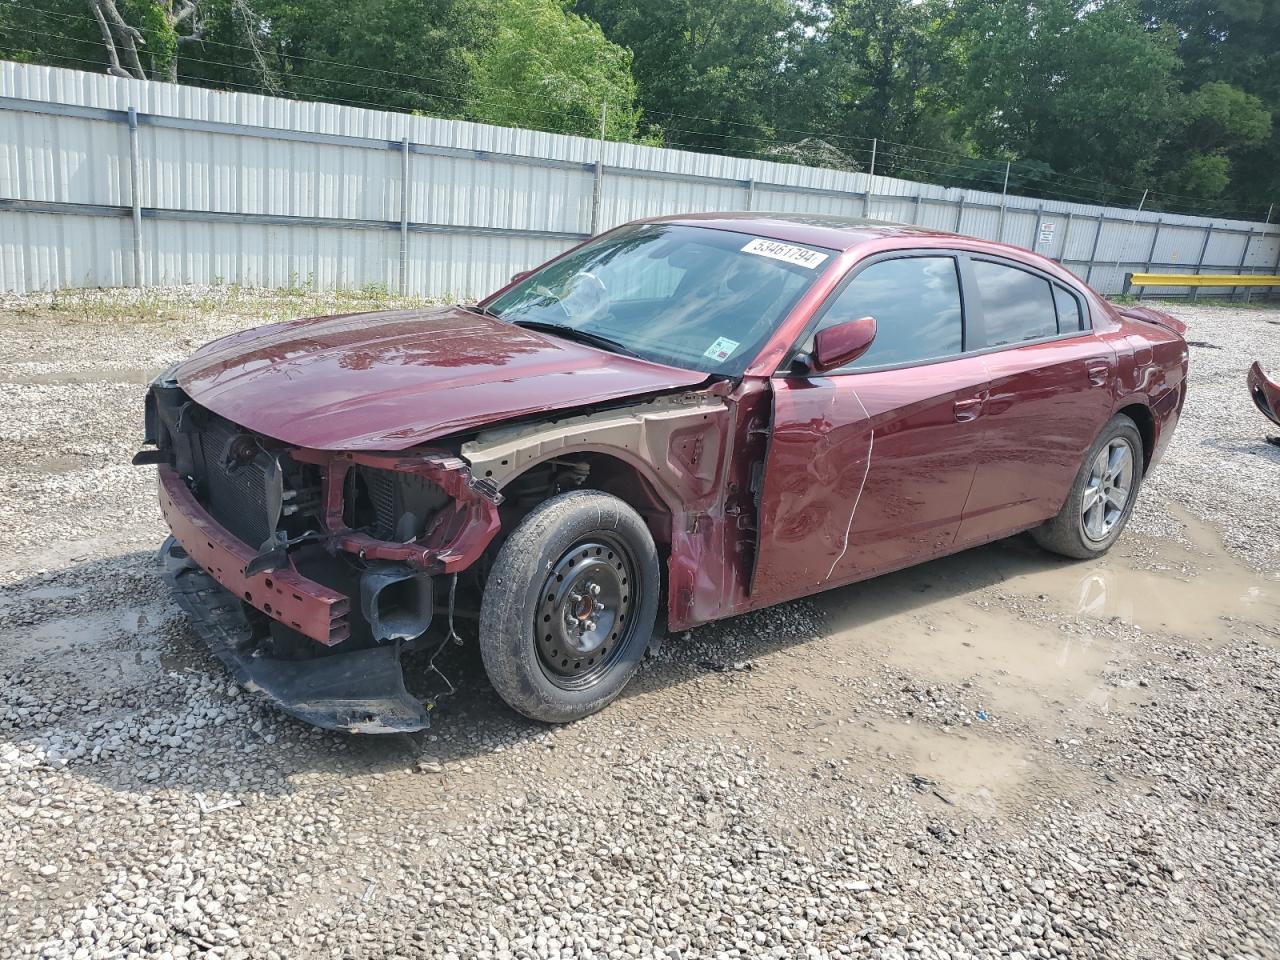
<point>916,303</point>
<point>1070,319</point>
<point>1016,305</point>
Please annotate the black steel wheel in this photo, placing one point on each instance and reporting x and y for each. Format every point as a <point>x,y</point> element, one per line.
<point>582,619</point>
<point>569,606</point>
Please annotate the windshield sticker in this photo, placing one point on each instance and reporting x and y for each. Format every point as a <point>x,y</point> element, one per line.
<point>722,349</point>
<point>800,256</point>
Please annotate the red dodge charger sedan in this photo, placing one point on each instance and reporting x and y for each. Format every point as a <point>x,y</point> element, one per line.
<point>679,420</point>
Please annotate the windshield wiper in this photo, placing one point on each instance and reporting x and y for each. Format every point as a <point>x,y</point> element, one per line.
<point>483,311</point>
<point>573,333</point>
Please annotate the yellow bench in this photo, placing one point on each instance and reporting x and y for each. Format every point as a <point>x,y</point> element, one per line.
<point>1200,280</point>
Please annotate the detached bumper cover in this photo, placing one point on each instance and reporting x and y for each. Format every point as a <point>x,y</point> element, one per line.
<point>359,692</point>
<point>1265,393</point>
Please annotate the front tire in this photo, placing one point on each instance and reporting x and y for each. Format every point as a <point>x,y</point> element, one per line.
<point>569,606</point>
<point>1102,496</point>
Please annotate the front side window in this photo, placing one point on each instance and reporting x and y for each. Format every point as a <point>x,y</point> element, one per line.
<point>1016,305</point>
<point>916,303</point>
<point>693,297</point>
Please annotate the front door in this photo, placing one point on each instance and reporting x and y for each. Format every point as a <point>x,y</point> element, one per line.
<point>869,466</point>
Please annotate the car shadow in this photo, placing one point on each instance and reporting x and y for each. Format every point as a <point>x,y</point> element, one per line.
<point>96,657</point>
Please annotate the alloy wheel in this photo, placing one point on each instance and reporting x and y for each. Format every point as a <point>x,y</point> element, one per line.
<point>1107,492</point>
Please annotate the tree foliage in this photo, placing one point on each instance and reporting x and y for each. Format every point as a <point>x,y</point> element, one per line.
<point>557,64</point>
<point>1080,99</point>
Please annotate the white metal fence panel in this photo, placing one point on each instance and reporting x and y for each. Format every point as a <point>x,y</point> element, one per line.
<point>239,188</point>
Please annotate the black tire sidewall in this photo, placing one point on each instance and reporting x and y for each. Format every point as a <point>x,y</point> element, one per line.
<point>512,594</point>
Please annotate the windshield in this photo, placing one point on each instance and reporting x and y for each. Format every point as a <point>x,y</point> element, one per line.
<point>690,297</point>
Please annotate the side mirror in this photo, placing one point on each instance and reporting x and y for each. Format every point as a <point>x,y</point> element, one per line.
<point>843,343</point>
<point>523,274</point>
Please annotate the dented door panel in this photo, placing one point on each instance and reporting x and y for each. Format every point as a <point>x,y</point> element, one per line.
<point>866,472</point>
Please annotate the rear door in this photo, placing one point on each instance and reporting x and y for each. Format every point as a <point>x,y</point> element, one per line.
<point>1048,396</point>
<point>869,466</point>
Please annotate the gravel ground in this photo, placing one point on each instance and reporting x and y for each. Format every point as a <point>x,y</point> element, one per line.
<point>999,754</point>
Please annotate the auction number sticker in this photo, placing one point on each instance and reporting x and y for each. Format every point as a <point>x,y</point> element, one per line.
<point>722,349</point>
<point>800,256</point>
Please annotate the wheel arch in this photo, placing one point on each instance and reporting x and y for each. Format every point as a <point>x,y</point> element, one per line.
<point>1145,421</point>
<point>609,470</point>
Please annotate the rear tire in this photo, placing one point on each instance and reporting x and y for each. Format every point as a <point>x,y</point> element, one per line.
<point>569,606</point>
<point>1102,495</point>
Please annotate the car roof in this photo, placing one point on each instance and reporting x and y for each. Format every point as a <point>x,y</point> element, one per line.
<point>813,229</point>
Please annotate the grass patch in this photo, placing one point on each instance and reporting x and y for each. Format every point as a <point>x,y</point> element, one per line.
<point>165,306</point>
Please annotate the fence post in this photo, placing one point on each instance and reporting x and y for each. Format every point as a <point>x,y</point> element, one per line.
<point>1275,270</point>
<point>1195,291</point>
<point>1035,236</point>
<point>597,188</point>
<point>1151,255</point>
<point>404,215</point>
<point>959,213</point>
<point>751,193</point>
<point>135,196</point>
<point>1244,255</point>
<point>1004,194</point>
<point>915,211</point>
<point>1093,254</point>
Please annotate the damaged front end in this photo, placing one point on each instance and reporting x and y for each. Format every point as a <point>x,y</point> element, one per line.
<point>309,572</point>
<point>1265,393</point>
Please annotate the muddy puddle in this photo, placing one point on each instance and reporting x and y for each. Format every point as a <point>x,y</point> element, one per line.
<point>59,464</point>
<point>83,374</point>
<point>969,771</point>
<point>1041,645</point>
<point>60,634</point>
<point>1044,629</point>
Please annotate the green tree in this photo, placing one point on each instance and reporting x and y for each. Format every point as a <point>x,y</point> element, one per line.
<point>1236,43</point>
<point>1077,84</point>
<point>1219,118</point>
<point>710,75</point>
<point>548,68</point>
<point>884,69</point>
<point>57,32</point>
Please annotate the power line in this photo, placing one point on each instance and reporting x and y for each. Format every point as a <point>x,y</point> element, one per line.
<point>316,79</point>
<point>1049,181</point>
<point>448,81</point>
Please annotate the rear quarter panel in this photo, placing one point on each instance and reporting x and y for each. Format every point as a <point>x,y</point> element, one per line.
<point>1152,371</point>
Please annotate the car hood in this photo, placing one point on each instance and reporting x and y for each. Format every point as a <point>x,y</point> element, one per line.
<point>387,381</point>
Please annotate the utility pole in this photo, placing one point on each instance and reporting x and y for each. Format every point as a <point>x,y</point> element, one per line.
<point>597,191</point>
<point>871,174</point>
<point>1134,223</point>
<point>1004,194</point>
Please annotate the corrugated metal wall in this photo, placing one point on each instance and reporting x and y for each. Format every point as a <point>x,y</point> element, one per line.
<point>238,188</point>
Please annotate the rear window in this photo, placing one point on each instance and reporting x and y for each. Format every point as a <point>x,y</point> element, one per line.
<point>1016,305</point>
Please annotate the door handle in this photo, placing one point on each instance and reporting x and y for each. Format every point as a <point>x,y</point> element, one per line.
<point>969,408</point>
<point>1099,370</point>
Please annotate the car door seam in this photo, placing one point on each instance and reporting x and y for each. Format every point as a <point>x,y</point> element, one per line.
<point>849,526</point>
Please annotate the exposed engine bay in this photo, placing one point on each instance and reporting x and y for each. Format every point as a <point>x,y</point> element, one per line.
<point>316,570</point>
